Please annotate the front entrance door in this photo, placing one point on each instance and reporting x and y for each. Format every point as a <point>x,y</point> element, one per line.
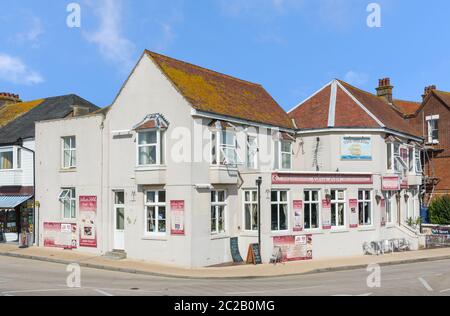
<point>119,220</point>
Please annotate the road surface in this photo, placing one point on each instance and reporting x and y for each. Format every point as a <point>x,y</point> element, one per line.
<point>20,277</point>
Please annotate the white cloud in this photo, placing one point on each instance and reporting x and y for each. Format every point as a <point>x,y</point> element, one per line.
<point>356,78</point>
<point>34,32</point>
<point>14,70</point>
<point>109,38</point>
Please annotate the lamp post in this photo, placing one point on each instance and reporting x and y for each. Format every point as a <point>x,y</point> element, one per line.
<point>259,183</point>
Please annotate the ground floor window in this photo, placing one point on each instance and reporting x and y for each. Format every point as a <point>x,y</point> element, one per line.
<point>279,210</point>
<point>312,209</point>
<point>251,210</point>
<point>155,215</point>
<point>119,207</point>
<point>68,201</point>
<point>218,208</point>
<point>365,207</point>
<point>338,208</point>
<point>388,197</point>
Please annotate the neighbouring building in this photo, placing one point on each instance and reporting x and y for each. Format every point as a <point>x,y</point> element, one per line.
<point>17,145</point>
<point>170,171</point>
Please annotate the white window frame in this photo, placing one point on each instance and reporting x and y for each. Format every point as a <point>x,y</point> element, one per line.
<point>310,203</point>
<point>158,206</point>
<point>252,152</point>
<point>221,148</point>
<point>418,161</point>
<point>284,153</point>
<point>215,206</point>
<point>160,148</point>
<point>8,150</point>
<point>364,200</point>
<point>396,159</point>
<point>118,206</point>
<point>279,203</point>
<point>430,121</point>
<point>388,198</point>
<point>19,155</point>
<point>68,195</point>
<point>72,164</point>
<point>251,203</point>
<point>336,202</point>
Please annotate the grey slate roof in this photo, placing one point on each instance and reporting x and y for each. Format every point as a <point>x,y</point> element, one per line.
<point>52,108</point>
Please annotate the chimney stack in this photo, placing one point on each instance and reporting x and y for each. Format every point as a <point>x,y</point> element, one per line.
<point>80,110</point>
<point>428,90</point>
<point>385,89</point>
<point>9,98</point>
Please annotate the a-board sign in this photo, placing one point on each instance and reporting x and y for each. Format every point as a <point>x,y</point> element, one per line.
<point>235,254</point>
<point>254,255</point>
<point>277,255</point>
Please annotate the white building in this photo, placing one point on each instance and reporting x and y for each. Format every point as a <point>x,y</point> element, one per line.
<point>168,172</point>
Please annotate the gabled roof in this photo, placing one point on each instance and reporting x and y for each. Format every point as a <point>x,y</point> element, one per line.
<point>213,92</point>
<point>407,107</point>
<point>341,105</point>
<point>444,96</point>
<point>46,109</point>
<point>9,112</point>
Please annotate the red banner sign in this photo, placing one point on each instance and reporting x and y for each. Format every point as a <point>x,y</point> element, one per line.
<point>391,183</point>
<point>177,218</point>
<point>88,221</point>
<point>60,235</point>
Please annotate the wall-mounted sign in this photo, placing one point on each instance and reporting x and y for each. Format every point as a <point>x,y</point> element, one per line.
<point>177,218</point>
<point>60,235</point>
<point>319,178</point>
<point>354,217</point>
<point>295,248</point>
<point>391,183</point>
<point>326,214</point>
<point>298,216</point>
<point>356,148</point>
<point>404,183</point>
<point>88,221</point>
<point>383,213</point>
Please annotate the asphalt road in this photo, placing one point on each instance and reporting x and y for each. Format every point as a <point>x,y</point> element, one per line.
<point>19,277</point>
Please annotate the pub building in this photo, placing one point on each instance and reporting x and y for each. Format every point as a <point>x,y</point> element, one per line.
<point>178,168</point>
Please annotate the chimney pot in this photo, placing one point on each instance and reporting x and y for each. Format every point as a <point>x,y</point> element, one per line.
<point>385,89</point>
<point>9,98</point>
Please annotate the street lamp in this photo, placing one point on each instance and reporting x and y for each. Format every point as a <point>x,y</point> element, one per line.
<point>259,183</point>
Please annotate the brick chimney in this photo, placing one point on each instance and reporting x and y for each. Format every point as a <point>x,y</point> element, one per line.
<point>8,98</point>
<point>385,89</point>
<point>428,90</point>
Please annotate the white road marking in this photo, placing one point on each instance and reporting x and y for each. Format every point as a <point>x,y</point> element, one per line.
<point>445,291</point>
<point>273,290</point>
<point>426,285</point>
<point>103,292</point>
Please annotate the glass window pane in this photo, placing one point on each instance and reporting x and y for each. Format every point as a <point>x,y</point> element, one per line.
<point>147,138</point>
<point>274,196</point>
<point>341,214</point>
<point>147,155</point>
<point>213,219</point>
<point>120,218</point>
<point>308,216</point>
<point>151,218</point>
<point>228,138</point>
<point>151,197</point>
<point>315,196</point>
<point>162,213</point>
<point>274,217</point>
<point>119,198</point>
<point>283,217</point>
<point>333,215</point>
<point>248,217</point>
<point>283,196</point>
<point>286,147</point>
<point>255,196</point>
<point>162,196</point>
<point>221,196</point>
<point>315,216</point>
<point>286,161</point>
<point>255,217</point>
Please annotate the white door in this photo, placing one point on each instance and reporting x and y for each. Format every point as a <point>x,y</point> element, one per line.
<point>119,220</point>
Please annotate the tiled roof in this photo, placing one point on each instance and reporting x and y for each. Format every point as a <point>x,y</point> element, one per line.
<point>216,93</point>
<point>444,96</point>
<point>340,105</point>
<point>407,107</point>
<point>11,111</point>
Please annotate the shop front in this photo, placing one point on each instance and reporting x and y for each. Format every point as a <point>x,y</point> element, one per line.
<point>16,217</point>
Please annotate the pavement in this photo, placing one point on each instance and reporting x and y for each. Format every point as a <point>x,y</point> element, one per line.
<point>87,260</point>
<point>24,277</point>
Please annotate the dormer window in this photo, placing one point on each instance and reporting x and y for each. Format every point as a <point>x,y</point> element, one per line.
<point>433,129</point>
<point>151,141</point>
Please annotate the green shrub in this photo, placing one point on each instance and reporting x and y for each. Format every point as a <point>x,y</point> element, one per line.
<point>440,210</point>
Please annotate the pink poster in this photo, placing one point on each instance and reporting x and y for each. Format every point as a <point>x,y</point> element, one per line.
<point>177,218</point>
<point>383,212</point>
<point>326,214</point>
<point>88,219</point>
<point>60,235</point>
<point>294,248</point>
<point>298,216</point>
<point>354,216</point>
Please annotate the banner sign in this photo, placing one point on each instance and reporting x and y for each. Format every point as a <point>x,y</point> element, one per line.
<point>294,248</point>
<point>356,148</point>
<point>88,220</point>
<point>354,216</point>
<point>383,212</point>
<point>60,235</point>
<point>391,183</point>
<point>326,214</point>
<point>298,216</point>
<point>177,218</point>
<point>314,178</point>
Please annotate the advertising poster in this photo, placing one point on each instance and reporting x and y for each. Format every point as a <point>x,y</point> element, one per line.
<point>60,235</point>
<point>356,148</point>
<point>88,221</point>
<point>294,248</point>
<point>177,220</point>
<point>354,217</point>
<point>326,214</point>
<point>383,213</point>
<point>298,216</point>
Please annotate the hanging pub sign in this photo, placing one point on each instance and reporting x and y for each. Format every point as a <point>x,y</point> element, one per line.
<point>177,209</point>
<point>298,216</point>
<point>88,221</point>
<point>354,217</point>
<point>326,214</point>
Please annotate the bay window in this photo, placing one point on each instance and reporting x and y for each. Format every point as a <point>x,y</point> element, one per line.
<point>150,147</point>
<point>312,209</point>
<point>418,161</point>
<point>338,208</point>
<point>365,207</point>
<point>397,158</point>
<point>224,148</point>
<point>251,210</point>
<point>6,159</point>
<point>69,152</point>
<point>155,214</point>
<point>279,210</point>
<point>218,209</point>
<point>67,198</point>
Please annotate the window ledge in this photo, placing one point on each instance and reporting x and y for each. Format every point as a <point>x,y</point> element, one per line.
<point>314,231</point>
<point>219,237</point>
<point>155,238</point>
<point>69,170</point>
<point>339,230</point>
<point>151,168</point>
<point>366,229</point>
<point>222,168</point>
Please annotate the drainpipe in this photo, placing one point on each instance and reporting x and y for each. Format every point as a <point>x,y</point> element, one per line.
<point>259,183</point>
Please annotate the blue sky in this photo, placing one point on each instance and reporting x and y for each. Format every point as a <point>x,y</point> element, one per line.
<point>292,47</point>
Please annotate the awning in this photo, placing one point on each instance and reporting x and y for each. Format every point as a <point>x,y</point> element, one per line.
<point>11,201</point>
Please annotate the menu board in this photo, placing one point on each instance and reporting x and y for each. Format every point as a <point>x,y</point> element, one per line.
<point>235,254</point>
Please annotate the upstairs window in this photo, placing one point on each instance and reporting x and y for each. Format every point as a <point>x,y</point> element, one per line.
<point>283,155</point>
<point>224,148</point>
<point>150,148</point>
<point>252,152</point>
<point>6,159</point>
<point>418,160</point>
<point>69,152</point>
<point>433,129</point>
